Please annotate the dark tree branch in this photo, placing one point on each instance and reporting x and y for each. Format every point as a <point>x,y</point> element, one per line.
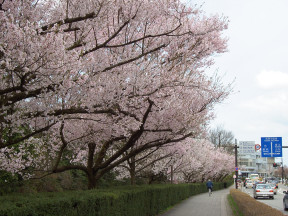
<point>70,111</point>
<point>102,153</point>
<point>69,21</point>
<point>132,140</point>
<point>71,167</point>
<point>133,59</point>
<point>154,161</point>
<point>107,41</point>
<point>14,98</point>
<point>15,141</point>
<point>63,146</point>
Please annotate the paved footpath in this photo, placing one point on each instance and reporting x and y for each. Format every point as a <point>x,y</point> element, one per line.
<point>203,205</point>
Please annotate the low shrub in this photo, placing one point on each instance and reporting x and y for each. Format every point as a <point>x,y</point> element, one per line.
<point>251,207</point>
<point>120,201</point>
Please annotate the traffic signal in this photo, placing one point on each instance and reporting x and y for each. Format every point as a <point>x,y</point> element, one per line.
<point>274,164</point>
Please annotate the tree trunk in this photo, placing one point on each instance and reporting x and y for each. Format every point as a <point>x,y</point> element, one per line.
<point>132,171</point>
<point>150,179</point>
<point>172,174</point>
<point>92,181</point>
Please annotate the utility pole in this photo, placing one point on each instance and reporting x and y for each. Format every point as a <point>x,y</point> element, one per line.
<point>236,165</point>
<point>282,170</point>
<point>283,166</point>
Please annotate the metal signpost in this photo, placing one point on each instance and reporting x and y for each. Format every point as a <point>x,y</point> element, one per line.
<point>271,146</point>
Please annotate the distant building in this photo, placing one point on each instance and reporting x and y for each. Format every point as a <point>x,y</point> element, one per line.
<point>250,160</point>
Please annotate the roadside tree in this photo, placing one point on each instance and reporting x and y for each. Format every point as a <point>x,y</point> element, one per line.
<point>191,160</point>
<point>222,138</point>
<point>202,161</point>
<point>88,81</point>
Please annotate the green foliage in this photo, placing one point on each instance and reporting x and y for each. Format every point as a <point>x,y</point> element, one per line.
<point>70,180</point>
<point>229,178</point>
<point>7,177</point>
<point>7,182</point>
<point>8,136</point>
<point>116,201</point>
<point>109,179</point>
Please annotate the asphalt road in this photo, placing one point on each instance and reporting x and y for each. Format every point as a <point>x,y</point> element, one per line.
<point>277,203</point>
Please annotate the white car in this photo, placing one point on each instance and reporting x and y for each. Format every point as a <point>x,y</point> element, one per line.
<point>249,184</point>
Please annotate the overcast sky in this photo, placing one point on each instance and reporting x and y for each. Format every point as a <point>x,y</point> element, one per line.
<point>257,59</point>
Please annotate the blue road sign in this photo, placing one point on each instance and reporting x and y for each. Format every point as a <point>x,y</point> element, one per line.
<point>271,146</point>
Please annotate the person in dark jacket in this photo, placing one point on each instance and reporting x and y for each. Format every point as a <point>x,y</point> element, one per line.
<point>209,184</point>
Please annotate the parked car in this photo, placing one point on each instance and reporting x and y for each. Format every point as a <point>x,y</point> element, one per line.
<point>285,201</point>
<point>273,186</point>
<point>249,184</point>
<point>263,190</point>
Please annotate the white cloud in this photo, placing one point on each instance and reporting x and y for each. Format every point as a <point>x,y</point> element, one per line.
<point>268,100</point>
<point>272,79</point>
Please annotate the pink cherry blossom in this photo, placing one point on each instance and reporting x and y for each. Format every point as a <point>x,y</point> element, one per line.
<point>99,82</point>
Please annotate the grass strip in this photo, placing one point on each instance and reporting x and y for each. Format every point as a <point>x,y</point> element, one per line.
<point>235,209</point>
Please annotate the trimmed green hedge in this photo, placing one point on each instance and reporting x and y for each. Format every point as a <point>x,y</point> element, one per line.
<point>122,201</point>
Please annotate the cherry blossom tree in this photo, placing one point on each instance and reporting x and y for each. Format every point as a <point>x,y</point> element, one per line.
<point>93,80</point>
<point>192,160</point>
<point>202,161</point>
<point>150,164</point>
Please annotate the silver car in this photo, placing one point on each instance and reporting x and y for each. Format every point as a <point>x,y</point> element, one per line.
<point>263,190</point>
